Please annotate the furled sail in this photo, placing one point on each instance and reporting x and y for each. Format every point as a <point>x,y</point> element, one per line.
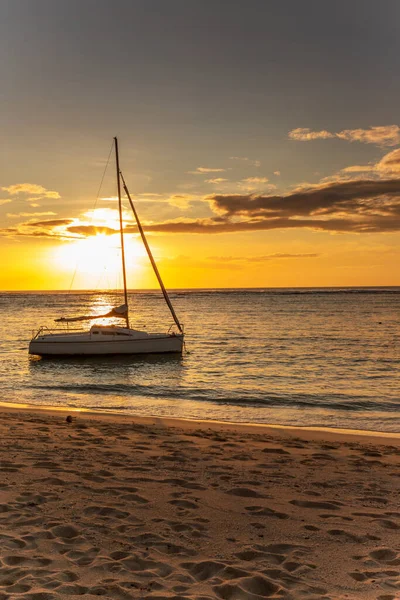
<point>118,311</point>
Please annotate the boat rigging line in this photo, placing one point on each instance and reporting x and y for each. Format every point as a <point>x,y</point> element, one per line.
<point>150,255</point>
<point>121,230</point>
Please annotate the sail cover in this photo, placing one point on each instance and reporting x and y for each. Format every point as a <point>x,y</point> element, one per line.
<point>118,311</point>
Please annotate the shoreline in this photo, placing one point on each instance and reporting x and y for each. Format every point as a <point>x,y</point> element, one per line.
<point>310,432</point>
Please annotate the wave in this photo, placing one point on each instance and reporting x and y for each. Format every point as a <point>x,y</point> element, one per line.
<point>333,402</point>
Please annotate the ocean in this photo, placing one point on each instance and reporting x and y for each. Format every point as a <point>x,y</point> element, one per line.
<point>303,357</point>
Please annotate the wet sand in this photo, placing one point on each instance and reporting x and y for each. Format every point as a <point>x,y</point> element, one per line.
<point>150,508</point>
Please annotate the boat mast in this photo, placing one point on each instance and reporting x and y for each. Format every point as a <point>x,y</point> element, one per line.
<point>150,255</point>
<point>121,229</point>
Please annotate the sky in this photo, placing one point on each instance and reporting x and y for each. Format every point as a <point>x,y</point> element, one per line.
<point>259,140</point>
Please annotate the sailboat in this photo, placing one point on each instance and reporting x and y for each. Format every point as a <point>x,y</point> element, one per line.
<point>112,339</point>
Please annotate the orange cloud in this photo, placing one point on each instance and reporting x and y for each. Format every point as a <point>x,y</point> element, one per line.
<point>31,188</point>
<point>381,136</point>
<point>202,170</point>
<point>33,214</point>
<point>304,134</point>
<point>255,180</point>
<point>390,163</point>
<point>387,135</point>
<point>181,201</point>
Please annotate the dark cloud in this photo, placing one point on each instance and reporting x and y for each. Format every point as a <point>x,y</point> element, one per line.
<point>342,225</point>
<point>349,197</point>
<point>12,231</point>
<point>50,223</point>
<point>88,230</point>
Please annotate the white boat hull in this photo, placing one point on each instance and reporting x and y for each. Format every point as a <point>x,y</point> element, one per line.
<point>100,341</point>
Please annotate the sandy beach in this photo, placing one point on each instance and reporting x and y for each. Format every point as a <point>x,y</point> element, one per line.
<point>149,508</point>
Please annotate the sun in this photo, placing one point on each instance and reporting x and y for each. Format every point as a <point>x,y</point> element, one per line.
<point>95,262</point>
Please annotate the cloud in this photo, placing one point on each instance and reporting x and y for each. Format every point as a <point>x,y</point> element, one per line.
<point>33,214</point>
<point>346,196</point>
<point>181,201</point>
<point>32,189</point>
<point>88,230</point>
<point>5,201</point>
<point>388,166</point>
<point>210,226</point>
<point>358,169</point>
<point>54,228</point>
<point>390,163</point>
<point>352,206</point>
<point>277,173</point>
<point>202,170</point>
<point>252,180</point>
<point>16,231</point>
<point>255,183</point>
<point>358,206</point>
<point>217,180</point>
<point>50,223</point>
<point>381,136</point>
<point>387,135</point>
<point>304,134</point>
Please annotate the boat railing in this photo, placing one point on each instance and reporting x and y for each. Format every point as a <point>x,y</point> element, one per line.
<point>45,329</point>
<point>173,330</point>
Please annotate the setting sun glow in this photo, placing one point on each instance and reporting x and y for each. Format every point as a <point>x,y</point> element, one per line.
<point>95,262</point>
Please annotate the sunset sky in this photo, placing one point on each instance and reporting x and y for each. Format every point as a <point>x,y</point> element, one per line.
<point>259,140</point>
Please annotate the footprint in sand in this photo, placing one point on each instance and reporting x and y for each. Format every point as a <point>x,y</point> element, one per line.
<point>384,555</point>
<point>245,493</point>
<point>11,543</point>
<point>331,505</point>
<point>387,524</point>
<point>18,588</point>
<point>184,483</point>
<point>260,511</point>
<point>66,532</point>
<point>133,562</point>
<point>209,569</point>
<point>135,498</point>
<point>14,561</point>
<point>105,512</point>
<point>345,536</point>
<point>275,451</point>
<point>256,588</point>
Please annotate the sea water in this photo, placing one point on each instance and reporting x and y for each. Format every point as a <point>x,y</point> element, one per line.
<point>304,357</point>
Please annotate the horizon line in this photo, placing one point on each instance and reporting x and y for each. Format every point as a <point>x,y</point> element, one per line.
<point>263,287</point>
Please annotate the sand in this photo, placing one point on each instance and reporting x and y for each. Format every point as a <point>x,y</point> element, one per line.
<point>147,508</point>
